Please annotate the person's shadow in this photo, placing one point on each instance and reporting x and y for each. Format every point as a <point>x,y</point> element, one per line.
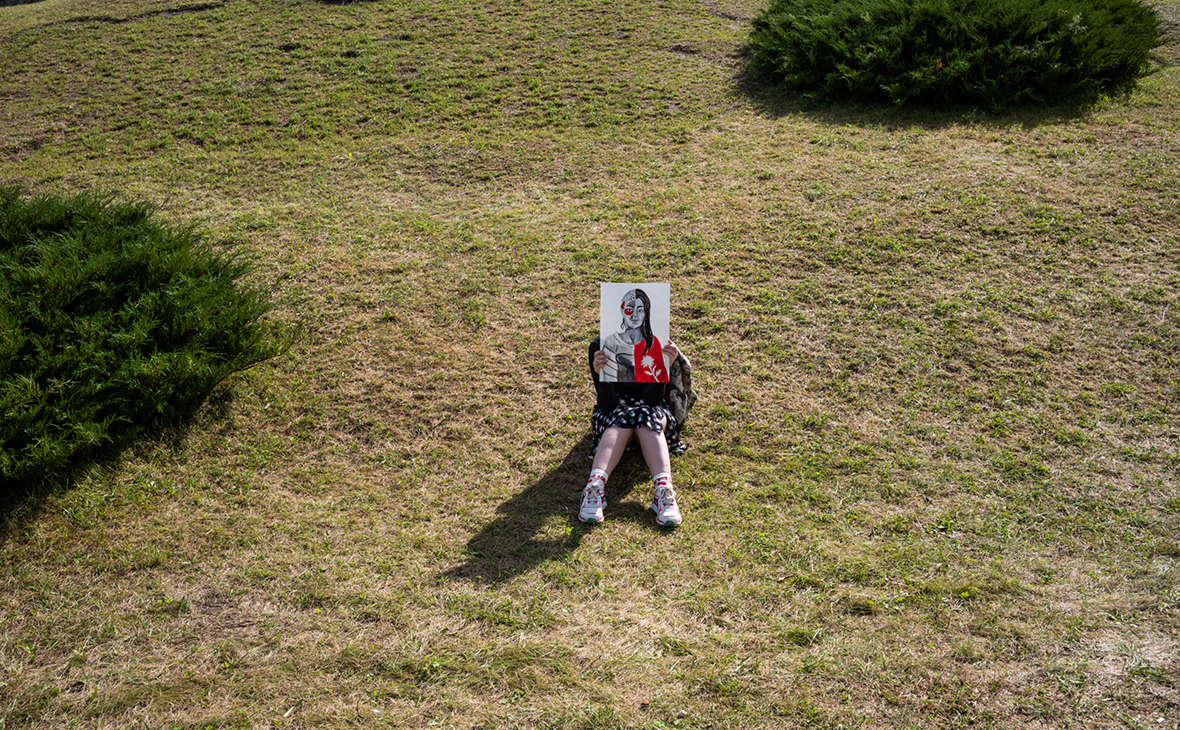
<point>509,545</point>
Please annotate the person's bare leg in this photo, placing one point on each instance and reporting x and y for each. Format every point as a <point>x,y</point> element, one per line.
<point>655,451</point>
<point>611,447</point>
<point>606,457</point>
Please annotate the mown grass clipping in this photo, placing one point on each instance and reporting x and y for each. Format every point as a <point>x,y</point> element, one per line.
<point>990,53</point>
<point>112,323</point>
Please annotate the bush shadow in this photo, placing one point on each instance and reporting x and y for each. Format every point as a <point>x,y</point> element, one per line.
<point>23,503</point>
<point>775,101</point>
<point>509,545</point>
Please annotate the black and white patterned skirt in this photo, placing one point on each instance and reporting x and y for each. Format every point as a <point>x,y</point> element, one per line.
<point>633,413</point>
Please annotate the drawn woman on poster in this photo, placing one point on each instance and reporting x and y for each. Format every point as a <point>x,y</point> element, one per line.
<point>636,355</point>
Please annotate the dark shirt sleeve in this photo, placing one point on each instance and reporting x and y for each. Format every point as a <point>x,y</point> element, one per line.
<point>594,347</point>
<point>607,400</point>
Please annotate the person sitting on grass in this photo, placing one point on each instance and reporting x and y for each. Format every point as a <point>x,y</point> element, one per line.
<point>643,411</point>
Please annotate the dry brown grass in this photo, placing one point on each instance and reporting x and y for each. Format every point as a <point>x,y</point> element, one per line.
<point>933,476</point>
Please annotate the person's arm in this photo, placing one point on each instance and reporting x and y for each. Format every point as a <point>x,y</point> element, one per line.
<point>671,352</point>
<point>609,360</point>
<point>600,362</point>
<point>591,356</point>
<point>604,392</point>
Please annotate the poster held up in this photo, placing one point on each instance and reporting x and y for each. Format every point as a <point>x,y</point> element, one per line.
<point>633,328</point>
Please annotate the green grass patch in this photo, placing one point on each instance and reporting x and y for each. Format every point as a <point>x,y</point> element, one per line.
<point>932,478</point>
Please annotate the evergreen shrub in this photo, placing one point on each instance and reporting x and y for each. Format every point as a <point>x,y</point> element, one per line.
<point>990,53</point>
<point>112,324</point>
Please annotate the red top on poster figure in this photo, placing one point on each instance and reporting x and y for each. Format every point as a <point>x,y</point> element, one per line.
<point>649,363</point>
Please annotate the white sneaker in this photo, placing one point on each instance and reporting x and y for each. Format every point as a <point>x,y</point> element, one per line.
<point>663,503</point>
<point>593,500</point>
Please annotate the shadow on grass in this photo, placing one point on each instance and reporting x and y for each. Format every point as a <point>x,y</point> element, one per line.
<point>775,100</point>
<point>510,546</point>
<point>22,503</point>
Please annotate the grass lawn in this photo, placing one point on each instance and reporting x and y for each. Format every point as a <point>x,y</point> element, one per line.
<point>934,475</point>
